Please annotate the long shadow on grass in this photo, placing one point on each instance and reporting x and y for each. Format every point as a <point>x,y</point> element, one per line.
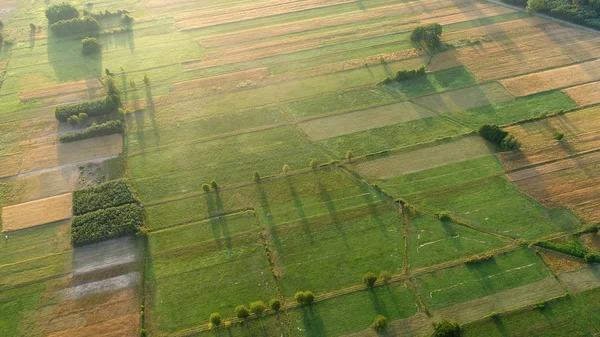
<point>152,112</point>
<point>500,325</point>
<point>367,194</point>
<point>452,233</point>
<point>482,270</point>
<point>378,304</point>
<point>266,210</point>
<point>222,219</point>
<point>214,222</point>
<point>333,213</point>
<point>68,63</point>
<point>300,210</point>
<point>313,324</point>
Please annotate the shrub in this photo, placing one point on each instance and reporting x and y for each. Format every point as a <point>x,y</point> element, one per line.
<point>206,187</point>
<point>73,120</point>
<point>96,130</point>
<point>540,305</point>
<point>215,319</point>
<point>313,164</point>
<point>90,45</point>
<point>110,194</point>
<point>83,118</point>
<point>380,323</point>
<point>559,136</point>
<point>241,311</point>
<point>95,108</point>
<point>386,276</point>
<point>275,304</point>
<point>106,224</point>
<point>256,176</point>
<point>227,324</point>
<point>592,258</point>
<point>85,25</point>
<point>349,155</point>
<point>258,308</point>
<point>214,185</point>
<point>304,297</point>
<point>445,216</point>
<point>369,279</point>
<point>146,80</point>
<point>32,28</point>
<point>446,329</point>
<point>63,11</point>
<point>132,84</point>
<point>286,169</point>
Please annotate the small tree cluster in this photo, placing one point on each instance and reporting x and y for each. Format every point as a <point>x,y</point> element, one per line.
<point>427,36</point>
<point>304,297</point>
<point>446,329</point>
<point>369,279</point>
<point>380,323</point>
<point>75,26</point>
<point>90,46</point>
<point>404,75</point>
<point>80,119</point>
<point>63,11</point>
<point>215,320</point>
<point>499,137</point>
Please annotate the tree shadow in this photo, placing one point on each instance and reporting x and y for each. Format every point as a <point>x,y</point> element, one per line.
<point>222,220</point>
<point>332,210</point>
<point>500,325</point>
<point>214,222</point>
<point>313,324</point>
<point>379,306</point>
<point>151,108</point>
<point>266,210</point>
<point>64,55</point>
<point>301,214</point>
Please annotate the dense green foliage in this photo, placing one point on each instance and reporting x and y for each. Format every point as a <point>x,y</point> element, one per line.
<point>499,137</point>
<point>369,279</point>
<point>446,329</point>
<point>215,319</point>
<point>84,25</point>
<point>403,75</point>
<point>99,107</point>
<point>241,311</point>
<point>304,297</point>
<point>380,323</point>
<point>275,304</point>
<point>96,130</point>
<point>106,224</point>
<point>427,35</point>
<point>110,194</point>
<point>90,45</point>
<point>572,247</point>
<point>63,11</point>
<point>581,12</point>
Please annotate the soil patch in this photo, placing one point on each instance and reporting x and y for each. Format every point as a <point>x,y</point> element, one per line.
<point>559,263</point>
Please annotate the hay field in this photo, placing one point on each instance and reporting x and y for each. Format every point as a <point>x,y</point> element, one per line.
<point>35,213</point>
<point>248,94</point>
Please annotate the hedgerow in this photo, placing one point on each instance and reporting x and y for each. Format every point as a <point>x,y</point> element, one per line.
<point>501,138</point>
<point>86,25</point>
<point>110,194</point>
<point>106,224</point>
<point>573,248</point>
<point>99,107</point>
<point>96,130</point>
<point>404,75</point>
<point>63,11</point>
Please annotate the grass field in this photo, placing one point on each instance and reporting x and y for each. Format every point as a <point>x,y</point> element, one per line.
<point>243,86</point>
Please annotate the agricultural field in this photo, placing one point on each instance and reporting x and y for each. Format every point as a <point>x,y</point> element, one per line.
<point>165,165</point>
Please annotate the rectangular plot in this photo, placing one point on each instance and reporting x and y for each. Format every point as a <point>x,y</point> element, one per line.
<point>463,99</point>
<point>10,165</point>
<point>581,280</point>
<point>553,79</point>
<point>37,212</point>
<point>253,74</point>
<point>333,126</point>
<point>60,89</point>
<point>586,94</point>
<point>422,159</point>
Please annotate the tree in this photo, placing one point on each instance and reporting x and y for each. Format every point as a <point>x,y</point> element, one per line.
<point>427,36</point>
<point>132,84</point>
<point>241,311</point>
<point>313,164</point>
<point>286,169</point>
<point>535,6</point>
<point>446,329</point>
<point>386,276</point>
<point>304,297</point>
<point>258,308</point>
<point>275,304</point>
<point>73,120</point>
<point>214,185</point>
<point>369,279</point>
<point>32,28</point>
<point>380,323</point>
<point>227,325</point>
<point>215,319</point>
<point>256,176</point>
<point>146,80</point>
<point>63,11</point>
<point>349,155</point>
<point>83,118</point>
<point>90,46</point>
<point>206,187</point>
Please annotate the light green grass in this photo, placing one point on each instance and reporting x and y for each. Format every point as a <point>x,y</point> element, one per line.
<point>357,241</point>
<point>452,78</point>
<point>467,282</point>
<point>516,110</point>
<point>442,176</point>
<point>280,197</point>
<point>192,281</point>
<point>34,270</point>
<point>14,304</point>
<point>34,242</point>
<point>495,205</point>
<point>168,172</point>
<point>558,318</point>
<point>392,136</point>
<point>354,312</point>
<point>431,241</point>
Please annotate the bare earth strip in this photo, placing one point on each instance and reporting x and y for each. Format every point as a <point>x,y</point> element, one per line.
<point>581,280</point>
<point>277,8</point>
<point>470,147</point>
<point>37,212</point>
<point>61,89</point>
<point>415,326</point>
<point>70,153</point>
<point>10,165</point>
<point>333,126</point>
<point>586,94</point>
<point>553,79</point>
<point>124,326</point>
<point>503,301</point>
<point>464,99</point>
<point>253,74</point>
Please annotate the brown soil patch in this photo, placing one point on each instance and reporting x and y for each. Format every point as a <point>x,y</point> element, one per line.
<point>554,167</point>
<point>252,75</point>
<point>124,326</point>
<point>10,165</point>
<point>464,99</point>
<point>36,213</point>
<point>503,301</point>
<point>71,153</point>
<point>248,12</point>
<point>60,89</point>
<point>591,240</point>
<point>586,94</point>
<point>559,263</point>
<point>553,79</point>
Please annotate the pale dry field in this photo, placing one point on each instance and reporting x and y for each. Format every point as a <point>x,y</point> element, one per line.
<point>584,95</point>
<point>61,89</point>
<point>466,148</point>
<point>10,165</point>
<point>38,212</point>
<point>560,263</point>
